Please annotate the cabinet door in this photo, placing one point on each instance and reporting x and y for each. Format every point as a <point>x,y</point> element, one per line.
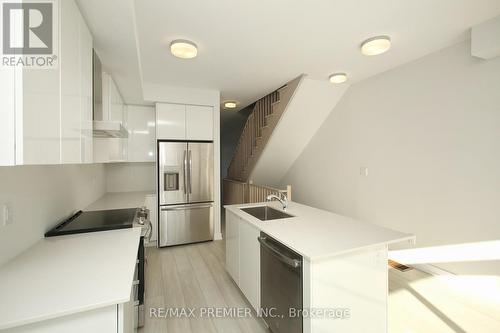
<point>7,116</point>
<point>199,122</point>
<point>232,246</point>
<point>250,263</point>
<point>170,121</point>
<point>126,316</point>
<point>109,150</point>
<point>86,92</point>
<point>102,320</point>
<point>142,134</point>
<point>38,125</point>
<point>71,82</point>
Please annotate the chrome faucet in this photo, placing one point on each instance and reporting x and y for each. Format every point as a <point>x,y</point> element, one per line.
<point>283,200</point>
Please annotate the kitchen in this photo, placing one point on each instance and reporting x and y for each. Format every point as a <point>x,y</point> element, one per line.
<point>144,187</point>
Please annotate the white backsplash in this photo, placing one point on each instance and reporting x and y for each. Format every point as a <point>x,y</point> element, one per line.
<point>129,177</point>
<point>39,197</point>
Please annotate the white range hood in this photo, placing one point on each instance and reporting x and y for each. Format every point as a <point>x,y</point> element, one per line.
<point>108,105</point>
<point>109,129</point>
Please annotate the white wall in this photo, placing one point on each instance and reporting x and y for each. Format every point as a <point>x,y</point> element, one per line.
<point>41,197</point>
<point>307,109</point>
<point>429,134</point>
<point>128,177</point>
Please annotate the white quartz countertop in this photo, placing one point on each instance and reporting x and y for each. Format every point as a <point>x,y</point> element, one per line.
<point>317,234</point>
<point>119,200</point>
<point>64,275</point>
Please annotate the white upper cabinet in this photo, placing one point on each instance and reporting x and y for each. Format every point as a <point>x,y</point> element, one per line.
<point>86,43</point>
<point>38,116</point>
<point>170,121</point>
<point>7,117</point>
<point>199,122</point>
<point>142,136</point>
<point>184,122</point>
<point>46,114</point>
<point>76,86</point>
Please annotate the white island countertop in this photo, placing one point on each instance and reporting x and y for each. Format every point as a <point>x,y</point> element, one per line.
<point>318,234</point>
<point>64,275</point>
<point>119,200</point>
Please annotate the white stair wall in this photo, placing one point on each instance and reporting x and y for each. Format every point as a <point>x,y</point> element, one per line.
<point>307,110</point>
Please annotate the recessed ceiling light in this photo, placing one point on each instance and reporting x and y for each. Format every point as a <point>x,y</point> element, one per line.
<point>230,105</point>
<point>376,45</point>
<point>184,49</point>
<point>338,78</point>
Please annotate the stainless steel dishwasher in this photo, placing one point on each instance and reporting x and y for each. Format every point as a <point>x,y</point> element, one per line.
<point>281,285</point>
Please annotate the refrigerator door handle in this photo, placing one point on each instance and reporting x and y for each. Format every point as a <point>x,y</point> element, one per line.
<point>184,162</point>
<point>186,207</point>
<point>190,167</point>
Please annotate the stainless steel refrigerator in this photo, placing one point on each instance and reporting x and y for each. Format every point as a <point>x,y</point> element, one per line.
<point>185,192</point>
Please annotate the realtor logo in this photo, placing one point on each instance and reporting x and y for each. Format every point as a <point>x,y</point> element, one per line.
<point>29,33</point>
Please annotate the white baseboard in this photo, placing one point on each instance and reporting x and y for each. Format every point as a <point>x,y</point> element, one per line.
<point>431,269</point>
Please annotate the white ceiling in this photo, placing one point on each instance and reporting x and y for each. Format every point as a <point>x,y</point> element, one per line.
<point>249,48</point>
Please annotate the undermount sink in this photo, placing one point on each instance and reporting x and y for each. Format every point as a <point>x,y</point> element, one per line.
<point>265,213</point>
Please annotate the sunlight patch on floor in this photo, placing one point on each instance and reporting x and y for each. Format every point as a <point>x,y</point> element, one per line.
<point>419,302</point>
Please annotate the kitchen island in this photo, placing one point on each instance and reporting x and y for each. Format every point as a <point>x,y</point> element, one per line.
<point>344,268</point>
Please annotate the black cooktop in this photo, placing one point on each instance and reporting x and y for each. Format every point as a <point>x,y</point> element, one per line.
<point>95,221</point>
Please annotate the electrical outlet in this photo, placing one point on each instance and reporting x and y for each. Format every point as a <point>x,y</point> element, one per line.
<point>363,171</point>
<point>6,215</point>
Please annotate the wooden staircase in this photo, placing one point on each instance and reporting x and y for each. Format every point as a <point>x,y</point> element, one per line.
<point>258,129</point>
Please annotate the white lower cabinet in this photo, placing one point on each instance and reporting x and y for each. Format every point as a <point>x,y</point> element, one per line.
<point>243,257</point>
<point>111,319</point>
<point>250,263</point>
<point>233,246</point>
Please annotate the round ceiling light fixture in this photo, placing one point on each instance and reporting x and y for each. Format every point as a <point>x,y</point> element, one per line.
<point>338,78</point>
<point>230,105</point>
<point>376,45</point>
<point>183,49</point>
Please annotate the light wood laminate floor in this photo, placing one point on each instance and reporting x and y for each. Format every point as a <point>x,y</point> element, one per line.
<point>193,276</point>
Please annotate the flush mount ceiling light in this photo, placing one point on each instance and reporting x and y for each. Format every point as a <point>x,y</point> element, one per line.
<point>376,45</point>
<point>184,49</point>
<point>230,105</point>
<point>338,78</point>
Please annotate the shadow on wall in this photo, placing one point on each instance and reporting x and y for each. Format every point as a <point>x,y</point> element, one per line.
<point>231,126</point>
